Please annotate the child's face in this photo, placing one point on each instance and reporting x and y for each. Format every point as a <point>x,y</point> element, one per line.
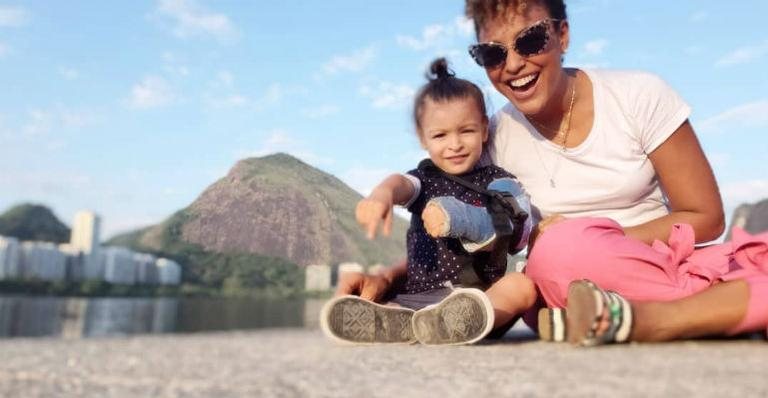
<point>453,132</point>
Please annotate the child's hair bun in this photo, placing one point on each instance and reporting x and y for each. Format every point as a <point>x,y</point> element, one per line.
<point>438,70</point>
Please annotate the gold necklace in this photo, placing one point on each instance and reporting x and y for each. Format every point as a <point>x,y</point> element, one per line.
<point>564,132</point>
<point>567,129</point>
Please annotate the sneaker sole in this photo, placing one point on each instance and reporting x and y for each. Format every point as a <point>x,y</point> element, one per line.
<point>352,320</point>
<point>464,317</point>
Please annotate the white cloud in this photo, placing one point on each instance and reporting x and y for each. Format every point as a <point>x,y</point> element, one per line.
<point>364,180</point>
<point>595,47</point>
<point>437,36</point>
<point>464,26</point>
<point>40,123</point>
<point>35,184</point>
<point>192,20</point>
<point>699,16</point>
<point>230,101</point>
<point>320,111</point>
<point>280,140</point>
<point>13,16</point>
<point>355,62</point>
<point>152,92</point>
<point>272,96</point>
<point>743,55</point>
<point>68,73</point>
<point>225,78</point>
<point>173,66</point>
<point>33,129</point>
<point>739,192</point>
<point>227,96</point>
<point>693,50</point>
<point>431,35</point>
<point>388,95</point>
<point>753,114</point>
<point>76,118</point>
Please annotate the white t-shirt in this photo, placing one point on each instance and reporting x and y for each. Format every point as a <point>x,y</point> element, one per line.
<point>609,174</point>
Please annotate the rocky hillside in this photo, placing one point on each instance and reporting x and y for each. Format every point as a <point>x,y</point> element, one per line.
<point>752,217</point>
<point>275,206</point>
<point>33,222</point>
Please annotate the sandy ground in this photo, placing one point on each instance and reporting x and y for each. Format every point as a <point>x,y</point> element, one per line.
<point>301,363</point>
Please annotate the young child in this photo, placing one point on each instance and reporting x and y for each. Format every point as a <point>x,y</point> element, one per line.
<point>450,235</point>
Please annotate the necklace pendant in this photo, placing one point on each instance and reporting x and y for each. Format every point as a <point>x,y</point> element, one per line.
<point>552,182</point>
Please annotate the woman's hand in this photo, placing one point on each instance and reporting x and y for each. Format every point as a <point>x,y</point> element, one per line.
<point>542,226</point>
<point>372,287</point>
<point>369,287</point>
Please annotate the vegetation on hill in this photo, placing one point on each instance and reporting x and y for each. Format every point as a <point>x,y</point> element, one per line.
<point>256,227</point>
<point>227,273</point>
<point>33,222</point>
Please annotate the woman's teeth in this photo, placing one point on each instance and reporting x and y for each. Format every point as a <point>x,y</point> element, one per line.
<point>518,83</point>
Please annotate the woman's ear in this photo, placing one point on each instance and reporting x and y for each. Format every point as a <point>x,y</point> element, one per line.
<point>565,36</point>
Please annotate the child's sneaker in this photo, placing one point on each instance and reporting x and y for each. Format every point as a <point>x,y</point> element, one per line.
<point>350,319</point>
<point>464,317</point>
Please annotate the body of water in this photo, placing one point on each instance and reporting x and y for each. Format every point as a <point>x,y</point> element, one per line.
<point>22,316</point>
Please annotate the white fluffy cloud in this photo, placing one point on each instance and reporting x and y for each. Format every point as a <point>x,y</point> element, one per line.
<point>740,192</point>
<point>68,73</point>
<point>354,62</point>
<point>753,114</point>
<point>387,95</point>
<point>229,101</point>
<point>363,180</point>
<point>13,16</point>
<point>193,20</point>
<point>320,111</point>
<point>699,16</point>
<point>279,140</point>
<point>151,92</point>
<point>431,35</point>
<point>436,36</point>
<point>595,47</point>
<point>743,55</point>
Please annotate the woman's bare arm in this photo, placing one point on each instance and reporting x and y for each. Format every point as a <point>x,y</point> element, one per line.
<point>690,186</point>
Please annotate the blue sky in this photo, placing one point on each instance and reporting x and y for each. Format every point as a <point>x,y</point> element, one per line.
<point>132,108</point>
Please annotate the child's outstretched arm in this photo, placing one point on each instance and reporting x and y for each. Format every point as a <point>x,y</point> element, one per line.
<point>377,207</point>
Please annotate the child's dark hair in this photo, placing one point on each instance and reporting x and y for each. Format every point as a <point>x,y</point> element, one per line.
<point>444,86</point>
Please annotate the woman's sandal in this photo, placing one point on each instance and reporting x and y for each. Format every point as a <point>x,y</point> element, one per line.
<point>552,325</point>
<point>586,305</point>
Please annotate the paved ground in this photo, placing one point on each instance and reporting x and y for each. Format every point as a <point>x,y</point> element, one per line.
<point>301,363</point>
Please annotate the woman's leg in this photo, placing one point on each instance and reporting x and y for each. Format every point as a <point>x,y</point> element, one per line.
<point>597,249</point>
<point>714,311</point>
<point>670,286</point>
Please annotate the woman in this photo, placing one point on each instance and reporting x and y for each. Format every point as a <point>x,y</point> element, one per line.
<point>614,169</point>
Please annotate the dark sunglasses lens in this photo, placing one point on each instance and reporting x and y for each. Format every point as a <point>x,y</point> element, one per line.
<point>488,55</point>
<point>532,41</point>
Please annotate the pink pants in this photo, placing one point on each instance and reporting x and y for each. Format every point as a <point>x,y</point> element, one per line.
<point>597,249</point>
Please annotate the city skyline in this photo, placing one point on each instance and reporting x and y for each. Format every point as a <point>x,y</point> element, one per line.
<point>132,109</point>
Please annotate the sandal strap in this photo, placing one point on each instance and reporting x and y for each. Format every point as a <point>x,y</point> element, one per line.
<point>620,318</point>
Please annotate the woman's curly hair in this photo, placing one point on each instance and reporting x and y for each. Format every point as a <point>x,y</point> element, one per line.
<point>481,11</point>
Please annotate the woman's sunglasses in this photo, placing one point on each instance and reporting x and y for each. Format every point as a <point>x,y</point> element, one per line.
<point>531,41</point>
